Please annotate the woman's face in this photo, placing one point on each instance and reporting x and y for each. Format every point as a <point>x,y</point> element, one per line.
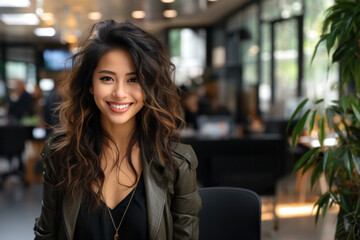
<point>116,90</point>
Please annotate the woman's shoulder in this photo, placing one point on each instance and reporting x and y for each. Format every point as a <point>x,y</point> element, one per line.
<point>184,154</point>
<point>49,146</point>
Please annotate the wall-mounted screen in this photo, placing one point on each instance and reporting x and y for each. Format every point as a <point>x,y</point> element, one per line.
<point>57,59</point>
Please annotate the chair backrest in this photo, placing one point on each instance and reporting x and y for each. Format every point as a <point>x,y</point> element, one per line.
<point>229,213</point>
<point>12,139</point>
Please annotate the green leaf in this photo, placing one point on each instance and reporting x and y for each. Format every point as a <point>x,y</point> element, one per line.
<point>304,159</point>
<point>344,203</point>
<point>330,40</point>
<point>322,201</point>
<point>347,27</point>
<point>319,101</point>
<point>323,210</point>
<point>299,127</point>
<point>311,123</point>
<point>340,134</point>
<point>327,159</point>
<point>316,174</point>
<point>356,161</point>
<point>348,163</point>
<point>330,114</point>
<point>345,103</point>
<point>347,130</point>
<point>356,110</point>
<point>297,110</point>
<point>337,155</point>
<point>321,133</point>
<point>322,38</point>
<point>340,51</point>
<point>314,158</point>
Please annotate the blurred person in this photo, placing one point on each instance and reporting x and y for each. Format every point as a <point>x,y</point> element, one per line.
<point>37,107</point>
<point>20,102</point>
<point>190,104</point>
<point>117,170</point>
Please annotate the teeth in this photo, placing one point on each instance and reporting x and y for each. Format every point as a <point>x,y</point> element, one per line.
<point>119,106</point>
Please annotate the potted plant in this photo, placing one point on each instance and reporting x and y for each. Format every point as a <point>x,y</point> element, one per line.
<point>340,163</point>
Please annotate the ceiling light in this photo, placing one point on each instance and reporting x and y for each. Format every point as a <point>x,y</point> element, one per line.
<point>168,1</point>
<point>138,14</point>
<point>47,17</point>
<point>170,13</point>
<point>94,16</point>
<point>17,3</point>
<point>20,19</point>
<point>212,0</point>
<point>46,84</point>
<point>44,32</point>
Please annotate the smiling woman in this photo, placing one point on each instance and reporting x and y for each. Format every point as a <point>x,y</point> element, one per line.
<point>116,168</point>
<point>117,93</point>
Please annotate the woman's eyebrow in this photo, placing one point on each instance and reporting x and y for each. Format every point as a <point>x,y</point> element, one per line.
<point>113,73</point>
<point>107,71</point>
<point>130,73</point>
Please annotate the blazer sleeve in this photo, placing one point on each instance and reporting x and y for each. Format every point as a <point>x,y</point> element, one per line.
<point>186,203</point>
<point>46,226</point>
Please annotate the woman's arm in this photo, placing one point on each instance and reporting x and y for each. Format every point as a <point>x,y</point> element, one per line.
<point>46,226</point>
<point>186,203</point>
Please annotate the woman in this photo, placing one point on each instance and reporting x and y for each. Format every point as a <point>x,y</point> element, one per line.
<point>118,169</point>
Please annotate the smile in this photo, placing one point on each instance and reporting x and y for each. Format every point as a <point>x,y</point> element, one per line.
<point>119,106</point>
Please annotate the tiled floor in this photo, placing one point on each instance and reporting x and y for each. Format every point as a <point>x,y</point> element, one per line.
<point>19,207</point>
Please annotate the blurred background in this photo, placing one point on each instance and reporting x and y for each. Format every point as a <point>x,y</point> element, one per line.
<point>243,66</point>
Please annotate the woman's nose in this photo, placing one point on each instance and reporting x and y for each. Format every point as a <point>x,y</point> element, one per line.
<point>119,90</point>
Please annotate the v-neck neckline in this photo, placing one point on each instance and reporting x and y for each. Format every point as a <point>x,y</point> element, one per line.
<point>125,200</point>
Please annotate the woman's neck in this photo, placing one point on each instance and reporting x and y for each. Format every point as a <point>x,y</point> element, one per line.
<point>121,134</point>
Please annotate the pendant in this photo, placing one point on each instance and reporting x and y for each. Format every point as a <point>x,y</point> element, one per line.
<point>116,236</point>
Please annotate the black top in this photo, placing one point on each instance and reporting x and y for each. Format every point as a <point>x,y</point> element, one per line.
<point>98,225</point>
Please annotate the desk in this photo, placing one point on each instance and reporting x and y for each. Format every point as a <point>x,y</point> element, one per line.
<point>12,145</point>
<point>254,162</point>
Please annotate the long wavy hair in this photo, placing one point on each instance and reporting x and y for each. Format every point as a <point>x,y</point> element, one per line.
<point>157,123</point>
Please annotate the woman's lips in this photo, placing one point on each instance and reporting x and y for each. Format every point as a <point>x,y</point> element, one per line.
<point>119,108</point>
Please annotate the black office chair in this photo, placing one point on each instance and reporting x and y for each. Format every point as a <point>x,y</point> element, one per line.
<point>229,213</point>
<point>12,145</point>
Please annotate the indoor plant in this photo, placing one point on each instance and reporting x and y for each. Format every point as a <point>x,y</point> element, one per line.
<point>340,163</point>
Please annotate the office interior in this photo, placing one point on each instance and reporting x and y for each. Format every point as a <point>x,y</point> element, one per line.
<point>243,66</point>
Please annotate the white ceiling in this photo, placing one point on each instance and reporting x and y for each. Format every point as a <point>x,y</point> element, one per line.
<point>71,16</point>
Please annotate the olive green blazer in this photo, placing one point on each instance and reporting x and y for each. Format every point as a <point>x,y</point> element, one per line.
<point>172,210</point>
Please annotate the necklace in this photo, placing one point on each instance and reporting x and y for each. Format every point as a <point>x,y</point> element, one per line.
<point>116,236</point>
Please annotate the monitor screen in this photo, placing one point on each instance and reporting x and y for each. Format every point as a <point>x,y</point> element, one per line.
<point>57,59</point>
<point>215,127</point>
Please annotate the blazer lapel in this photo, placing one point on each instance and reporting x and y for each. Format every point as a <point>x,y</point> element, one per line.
<point>70,212</point>
<point>155,193</point>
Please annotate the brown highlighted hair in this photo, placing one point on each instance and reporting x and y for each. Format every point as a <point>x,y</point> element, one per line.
<point>80,149</point>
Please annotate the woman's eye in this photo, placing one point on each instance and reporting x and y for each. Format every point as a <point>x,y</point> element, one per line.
<point>132,80</point>
<point>106,79</point>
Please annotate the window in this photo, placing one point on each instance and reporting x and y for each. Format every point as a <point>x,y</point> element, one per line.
<point>188,53</point>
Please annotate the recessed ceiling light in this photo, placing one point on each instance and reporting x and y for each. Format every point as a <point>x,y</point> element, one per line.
<point>44,32</point>
<point>168,1</point>
<point>170,13</point>
<point>17,3</point>
<point>212,0</point>
<point>47,17</point>
<point>94,16</point>
<point>138,14</point>
<point>20,19</point>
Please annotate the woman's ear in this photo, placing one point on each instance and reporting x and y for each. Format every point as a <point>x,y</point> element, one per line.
<point>91,90</point>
